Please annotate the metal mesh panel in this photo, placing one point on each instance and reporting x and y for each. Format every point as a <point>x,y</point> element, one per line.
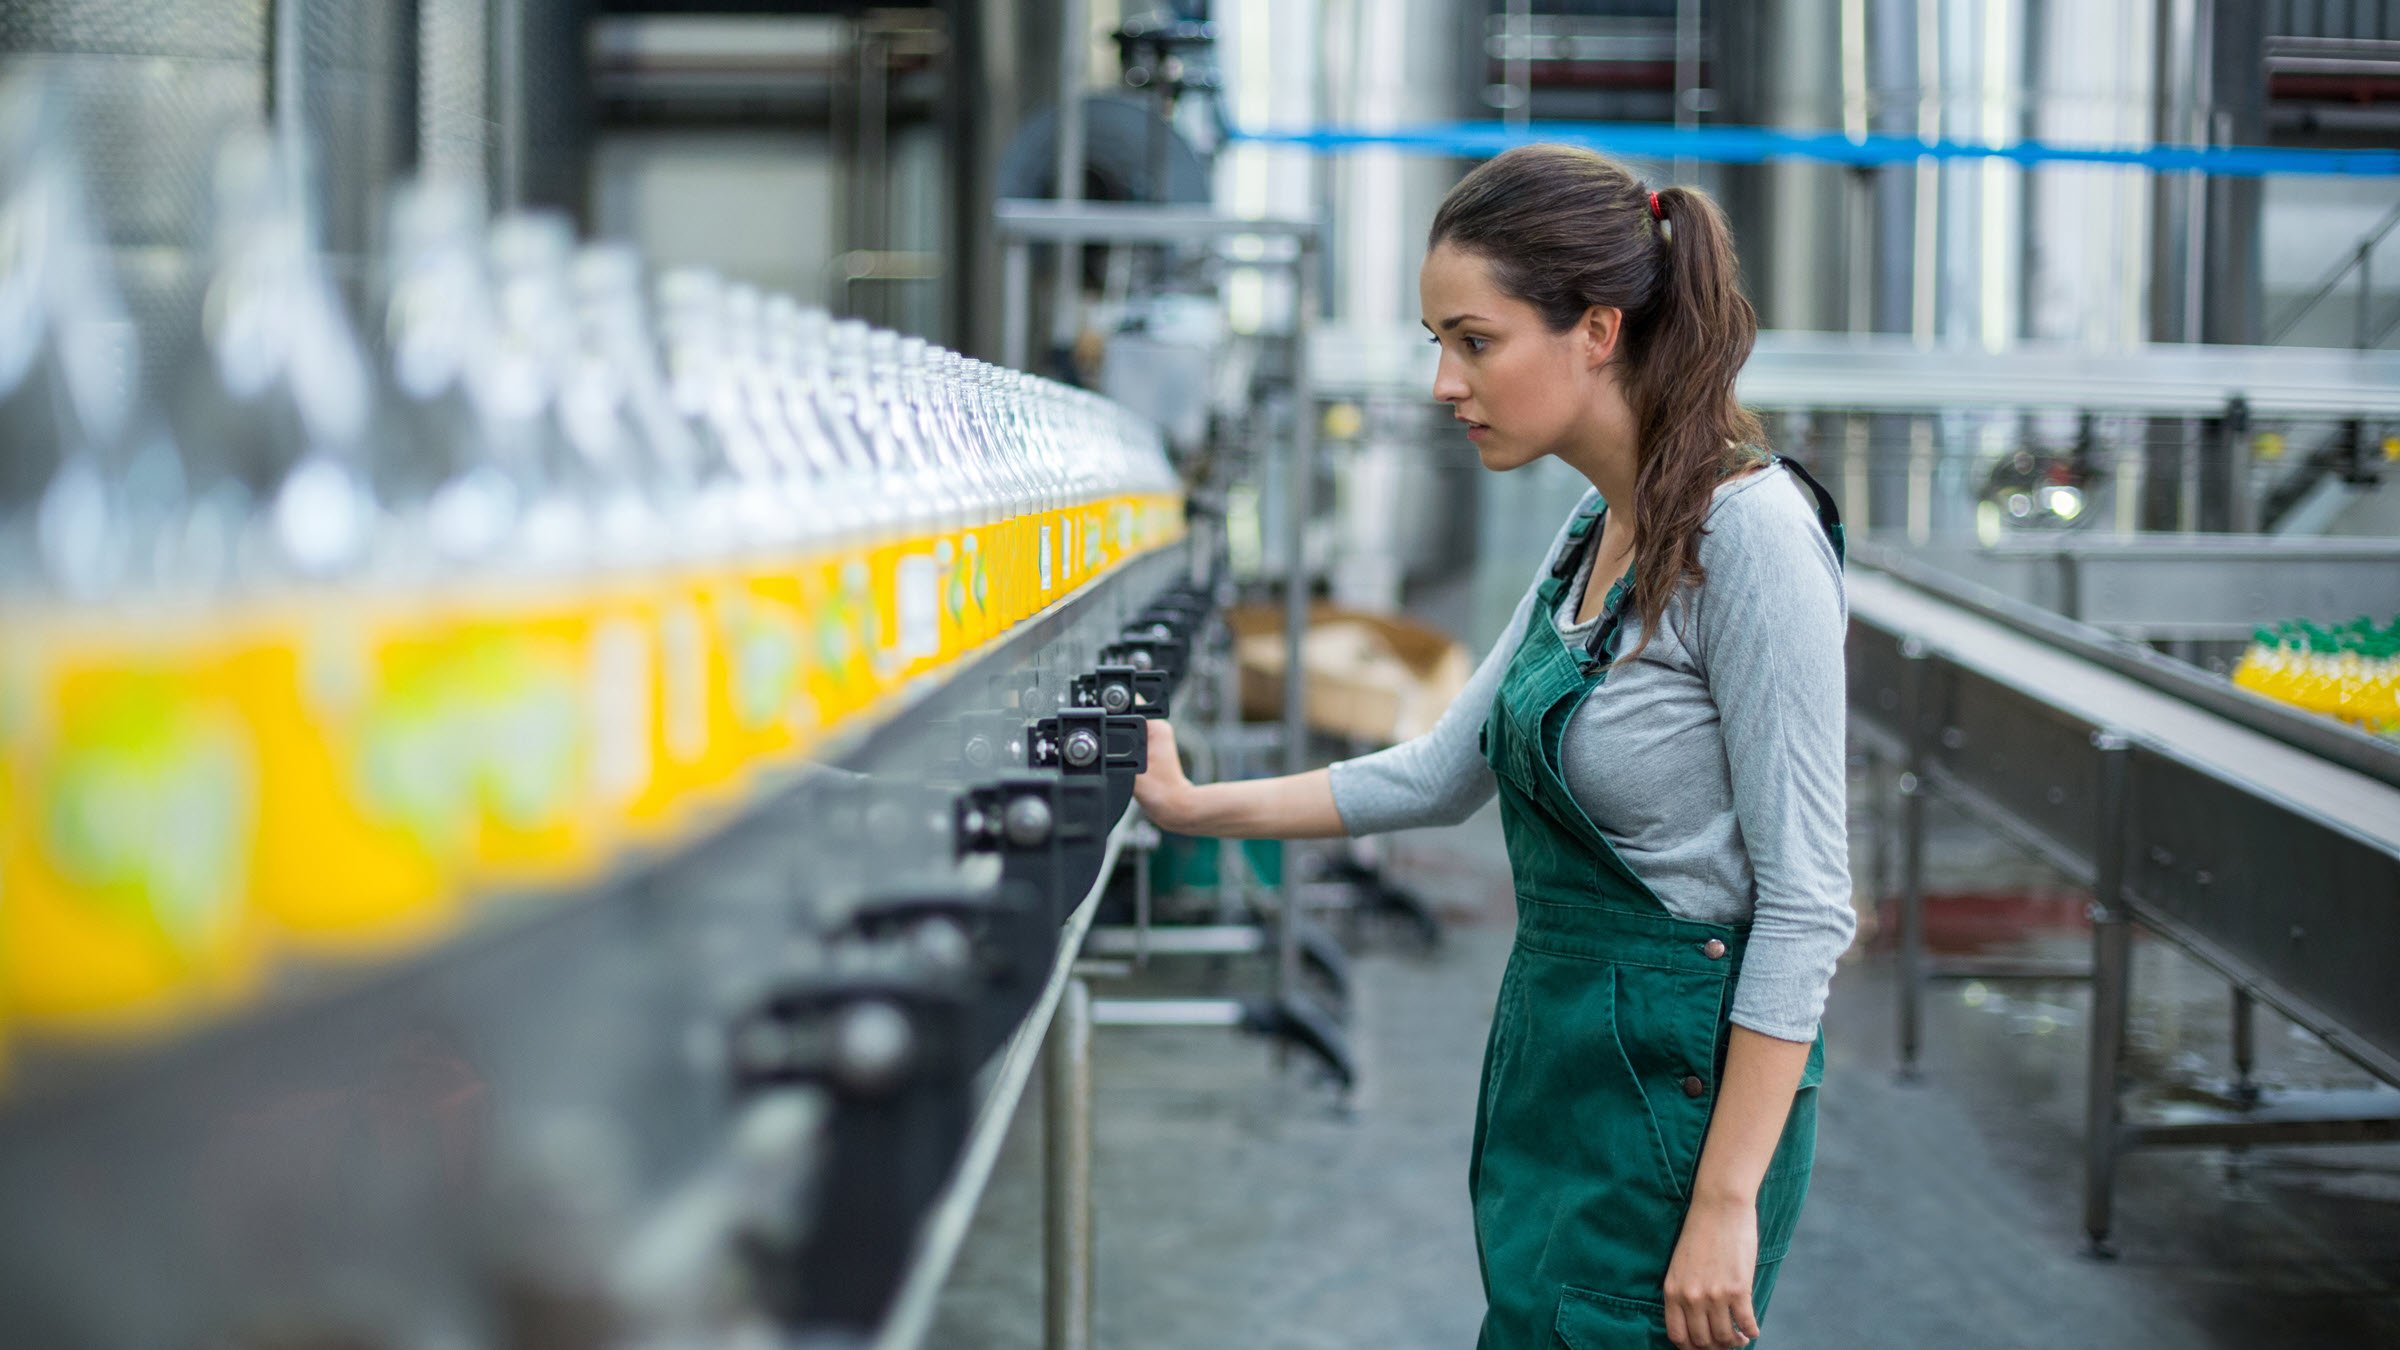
<point>455,132</point>
<point>234,30</point>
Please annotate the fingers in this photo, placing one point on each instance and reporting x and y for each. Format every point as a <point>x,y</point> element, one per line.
<point>1715,1321</point>
<point>1160,788</point>
<point>1720,1328</point>
<point>1162,745</point>
<point>1744,1320</point>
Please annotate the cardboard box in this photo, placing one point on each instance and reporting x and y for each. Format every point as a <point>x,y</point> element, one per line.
<point>1374,678</point>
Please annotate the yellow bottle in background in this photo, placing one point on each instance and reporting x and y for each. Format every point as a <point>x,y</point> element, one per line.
<point>840,605</point>
<point>366,756</point>
<point>127,851</point>
<point>972,587</point>
<point>693,762</point>
<point>540,671</point>
<point>767,680</point>
<point>16,719</point>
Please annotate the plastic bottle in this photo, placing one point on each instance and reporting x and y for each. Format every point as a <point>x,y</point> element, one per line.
<point>126,821</point>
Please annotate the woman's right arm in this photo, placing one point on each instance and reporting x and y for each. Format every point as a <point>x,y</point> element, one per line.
<point>1439,778</point>
<point>1295,806</point>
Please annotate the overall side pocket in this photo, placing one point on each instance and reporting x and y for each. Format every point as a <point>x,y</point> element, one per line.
<point>1667,1032</point>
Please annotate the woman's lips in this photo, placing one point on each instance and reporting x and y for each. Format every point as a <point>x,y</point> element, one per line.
<point>1476,431</point>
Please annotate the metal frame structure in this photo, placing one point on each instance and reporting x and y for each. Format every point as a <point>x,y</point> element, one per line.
<point>1291,1015</point>
<point>2178,588</point>
<point>2274,867</point>
<point>1887,373</point>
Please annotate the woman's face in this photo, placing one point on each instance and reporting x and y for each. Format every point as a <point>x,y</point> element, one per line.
<point>1521,389</point>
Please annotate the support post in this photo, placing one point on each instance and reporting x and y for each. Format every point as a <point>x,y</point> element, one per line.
<point>1299,468</point>
<point>1915,721</point>
<point>2112,978</point>
<point>1067,1173</point>
<point>2245,1045</point>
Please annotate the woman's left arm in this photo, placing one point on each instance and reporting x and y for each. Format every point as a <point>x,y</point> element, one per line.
<point>1708,1282</point>
<point>1771,623</point>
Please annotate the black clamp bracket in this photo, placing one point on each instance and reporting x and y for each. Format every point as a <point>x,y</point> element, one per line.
<point>1050,832</point>
<point>1122,687</point>
<point>1090,743</point>
<point>891,1049</point>
<point>1000,939</point>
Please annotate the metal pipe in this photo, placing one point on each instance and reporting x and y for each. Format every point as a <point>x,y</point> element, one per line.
<point>1516,46</point>
<point>1016,302</point>
<point>1067,1174</point>
<point>1298,468</point>
<point>2112,976</point>
<point>1687,79</point>
<point>508,61</point>
<point>2245,1044</point>
<point>1915,676</point>
<point>2366,295</point>
<point>1074,55</point>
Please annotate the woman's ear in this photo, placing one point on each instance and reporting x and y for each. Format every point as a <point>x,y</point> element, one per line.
<point>1602,327</point>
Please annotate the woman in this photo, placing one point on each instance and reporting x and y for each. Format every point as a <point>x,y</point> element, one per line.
<point>1663,724</point>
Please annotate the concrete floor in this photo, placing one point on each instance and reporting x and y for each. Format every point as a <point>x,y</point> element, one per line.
<point>1240,1206</point>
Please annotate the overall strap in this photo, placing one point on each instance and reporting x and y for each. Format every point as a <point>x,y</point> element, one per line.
<point>1579,537</point>
<point>1829,518</point>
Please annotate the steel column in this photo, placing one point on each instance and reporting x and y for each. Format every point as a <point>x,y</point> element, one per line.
<point>2112,976</point>
<point>1915,676</point>
<point>1067,1174</point>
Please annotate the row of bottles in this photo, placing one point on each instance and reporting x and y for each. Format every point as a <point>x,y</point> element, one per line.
<point>2350,672</point>
<point>315,646</point>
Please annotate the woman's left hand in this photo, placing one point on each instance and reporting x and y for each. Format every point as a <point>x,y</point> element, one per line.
<point>1708,1281</point>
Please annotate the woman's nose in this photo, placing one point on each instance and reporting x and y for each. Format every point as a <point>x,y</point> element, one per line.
<point>1447,386</point>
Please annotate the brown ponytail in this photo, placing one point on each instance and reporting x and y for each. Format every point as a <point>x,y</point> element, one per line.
<point>1565,229</point>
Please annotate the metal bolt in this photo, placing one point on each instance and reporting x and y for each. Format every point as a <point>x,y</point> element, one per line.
<point>1952,738</point>
<point>978,751</point>
<point>945,943</point>
<point>1139,658</point>
<point>974,824</point>
<point>1026,821</point>
<point>871,1045</point>
<point>1082,748</point>
<point>1115,698</point>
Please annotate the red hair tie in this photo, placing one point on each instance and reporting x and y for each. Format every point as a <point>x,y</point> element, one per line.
<point>1655,213</point>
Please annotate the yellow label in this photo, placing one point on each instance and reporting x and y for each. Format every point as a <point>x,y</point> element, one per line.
<point>776,706</point>
<point>365,752</point>
<point>538,679</point>
<point>126,854</point>
<point>843,672</point>
<point>687,628</point>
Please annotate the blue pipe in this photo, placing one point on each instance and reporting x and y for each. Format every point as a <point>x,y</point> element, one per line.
<point>1754,145</point>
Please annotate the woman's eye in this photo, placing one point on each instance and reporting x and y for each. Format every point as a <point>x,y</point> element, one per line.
<point>1475,344</point>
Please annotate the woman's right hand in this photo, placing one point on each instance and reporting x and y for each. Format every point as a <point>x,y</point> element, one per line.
<point>1163,791</point>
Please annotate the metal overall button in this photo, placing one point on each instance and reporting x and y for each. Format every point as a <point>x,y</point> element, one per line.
<point>1713,949</point>
<point>1692,1086</point>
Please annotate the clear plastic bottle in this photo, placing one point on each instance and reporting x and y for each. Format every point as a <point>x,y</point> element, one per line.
<point>128,774</point>
<point>556,677</point>
<point>675,585</point>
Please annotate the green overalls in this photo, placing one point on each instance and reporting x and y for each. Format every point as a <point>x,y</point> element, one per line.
<point>1608,1040</point>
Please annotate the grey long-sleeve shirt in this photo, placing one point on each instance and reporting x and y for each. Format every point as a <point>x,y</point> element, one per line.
<point>1713,763</point>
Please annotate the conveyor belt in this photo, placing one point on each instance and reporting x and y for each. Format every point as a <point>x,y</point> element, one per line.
<point>2272,864</point>
<point>2339,796</point>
